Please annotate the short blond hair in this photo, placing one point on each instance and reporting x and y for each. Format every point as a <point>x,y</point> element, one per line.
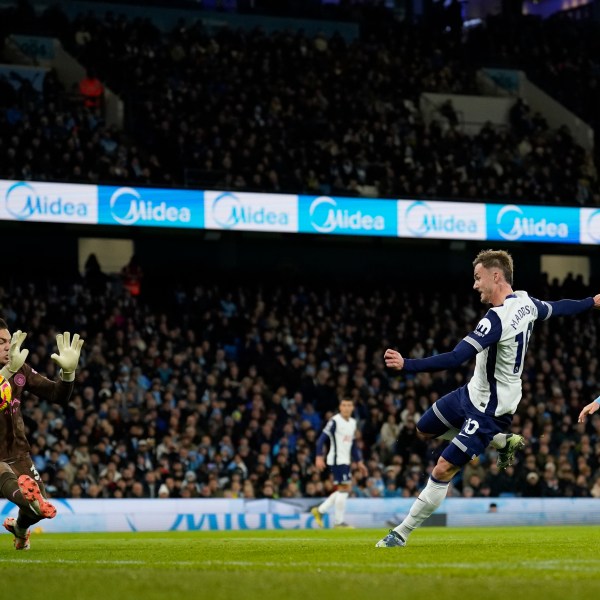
<point>496,258</point>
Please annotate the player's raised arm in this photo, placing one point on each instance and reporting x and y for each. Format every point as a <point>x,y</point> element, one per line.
<point>563,308</point>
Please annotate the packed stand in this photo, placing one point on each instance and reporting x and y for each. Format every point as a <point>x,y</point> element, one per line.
<point>286,112</point>
<point>558,53</point>
<point>50,135</point>
<point>222,391</point>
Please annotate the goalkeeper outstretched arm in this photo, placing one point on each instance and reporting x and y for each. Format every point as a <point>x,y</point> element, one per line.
<point>23,376</point>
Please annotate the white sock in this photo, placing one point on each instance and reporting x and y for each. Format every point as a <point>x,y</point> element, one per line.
<point>327,503</point>
<point>449,435</point>
<point>498,441</point>
<point>340,507</point>
<point>428,501</point>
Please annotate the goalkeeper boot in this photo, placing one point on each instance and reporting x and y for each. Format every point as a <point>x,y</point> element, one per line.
<point>31,492</point>
<point>506,455</point>
<point>392,540</point>
<point>21,535</point>
<point>318,516</point>
<point>343,525</point>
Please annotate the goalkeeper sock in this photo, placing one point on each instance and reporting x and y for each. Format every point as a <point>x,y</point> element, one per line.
<point>25,519</point>
<point>9,488</point>
<point>428,501</point>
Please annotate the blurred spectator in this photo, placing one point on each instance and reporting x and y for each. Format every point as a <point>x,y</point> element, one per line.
<point>92,91</point>
<point>132,275</point>
<point>95,279</point>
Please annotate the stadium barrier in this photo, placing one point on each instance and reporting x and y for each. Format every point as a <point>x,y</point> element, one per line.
<point>90,515</point>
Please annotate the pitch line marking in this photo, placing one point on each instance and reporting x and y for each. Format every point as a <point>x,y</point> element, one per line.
<point>572,564</point>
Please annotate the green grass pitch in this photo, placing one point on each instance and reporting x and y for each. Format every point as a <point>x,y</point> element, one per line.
<point>439,563</point>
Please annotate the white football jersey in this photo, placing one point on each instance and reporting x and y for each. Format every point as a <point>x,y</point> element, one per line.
<point>501,340</point>
<point>341,437</point>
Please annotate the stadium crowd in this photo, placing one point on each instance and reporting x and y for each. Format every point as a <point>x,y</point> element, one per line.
<point>47,136</point>
<point>221,391</point>
<point>287,112</point>
<point>559,53</point>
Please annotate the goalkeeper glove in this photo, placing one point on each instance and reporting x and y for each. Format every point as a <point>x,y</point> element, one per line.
<point>68,354</point>
<point>16,356</point>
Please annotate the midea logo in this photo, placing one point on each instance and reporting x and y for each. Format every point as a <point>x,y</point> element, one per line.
<point>127,207</point>
<point>513,225</point>
<point>229,211</point>
<point>331,217</point>
<point>421,220</point>
<point>593,226</point>
<point>24,201</point>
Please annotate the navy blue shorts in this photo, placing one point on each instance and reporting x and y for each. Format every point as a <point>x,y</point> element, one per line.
<point>341,474</point>
<point>477,429</point>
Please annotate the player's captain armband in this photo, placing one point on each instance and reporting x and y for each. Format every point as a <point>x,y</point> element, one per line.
<point>5,394</point>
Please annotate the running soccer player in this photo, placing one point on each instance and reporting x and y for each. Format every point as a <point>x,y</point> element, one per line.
<point>340,432</point>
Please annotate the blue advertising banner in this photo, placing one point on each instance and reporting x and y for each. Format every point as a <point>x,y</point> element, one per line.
<point>521,223</point>
<point>347,216</point>
<point>150,207</point>
<point>325,215</point>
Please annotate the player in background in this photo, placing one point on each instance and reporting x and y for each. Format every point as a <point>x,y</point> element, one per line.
<point>483,408</point>
<point>19,480</point>
<point>589,409</point>
<point>340,432</point>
